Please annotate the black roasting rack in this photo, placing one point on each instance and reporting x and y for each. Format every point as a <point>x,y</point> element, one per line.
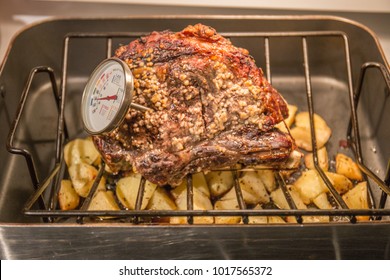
<point>43,202</point>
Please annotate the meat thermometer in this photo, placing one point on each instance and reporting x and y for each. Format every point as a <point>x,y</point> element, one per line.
<point>107,96</point>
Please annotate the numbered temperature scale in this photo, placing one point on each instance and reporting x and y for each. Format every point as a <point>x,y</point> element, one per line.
<point>107,96</point>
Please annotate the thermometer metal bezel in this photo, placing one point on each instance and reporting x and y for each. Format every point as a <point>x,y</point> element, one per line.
<point>123,107</point>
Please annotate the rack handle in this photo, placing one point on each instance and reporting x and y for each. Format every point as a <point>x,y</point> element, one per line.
<point>11,136</point>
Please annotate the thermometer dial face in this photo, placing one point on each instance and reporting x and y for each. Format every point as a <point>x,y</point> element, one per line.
<point>107,96</point>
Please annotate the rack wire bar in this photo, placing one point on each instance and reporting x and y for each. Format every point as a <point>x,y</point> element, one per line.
<point>190,212</point>
<point>190,198</point>
<point>267,59</point>
<point>194,213</point>
<point>353,122</point>
<point>286,193</point>
<point>239,196</point>
<point>387,182</point>
<point>11,136</point>
<point>310,104</point>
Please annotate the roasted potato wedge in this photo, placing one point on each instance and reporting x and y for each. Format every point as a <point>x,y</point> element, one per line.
<point>103,200</point>
<point>201,199</point>
<point>268,179</point>
<point>310,185</point>
<point>322,202</point>
<point>302,137</point>
<point>219,182</point>
<point>315,219</point>
<point>68,198</point>
<point>161,200</point>
<point>292,110</point>
<point>302,119</point>
<point>127,191</point>
<point>200,202</point>
<point>357,198</point>
<point>341,183</point>
<point>257,219</point>
<point>227,202</point>
<point>81,150</point>
<point>323,160</point>
<point>100,187</point>
<point>281,202</point>
<point>198,182</point>
<point>253,189</point>
<point>82,176</point>
<point>276,220</point>
<point>301,132</point>
<point>347,167</point>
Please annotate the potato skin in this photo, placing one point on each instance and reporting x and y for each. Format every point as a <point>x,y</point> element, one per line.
<point>82,176</point>
<point>68,198</point>
<point>347,167</point>
<point>219,182</point>
<point>103,200</point>
<point>323,160</point>
<point>127,191</point>
<point>357,198</point>
<point>302,132</point>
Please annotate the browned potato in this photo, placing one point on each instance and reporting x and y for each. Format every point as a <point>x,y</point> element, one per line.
<point>219,182</point>
<point>322,202</point>
<point>302,120</point>
<point>161,200</point>
<point>67,196</point>
<point>323,160</point>
<point>301,132</point>
<point>292,110</point>
<point>257,219</point>
<point>81,150</point>
<point>347,167</point>
<point>341,183</point>
<point>103,200</point>
<point>127,191</point>
<point>201,199</point>
<point>276,220</point>
<point>316,219</point>
<point>198,182</point>
<point>310,185</point>
<point>265,219</point>
<point>357,198</point>
<point>82,176</point>
<point>100,187</point>
<point>268,179</point>
<point>302,137</point>
<point>227,202</point>
<point>252,187</point>
<point>280,200</point>
<point>200,202</point>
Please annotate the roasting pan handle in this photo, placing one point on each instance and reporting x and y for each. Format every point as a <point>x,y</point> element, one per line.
<point>11,136</point>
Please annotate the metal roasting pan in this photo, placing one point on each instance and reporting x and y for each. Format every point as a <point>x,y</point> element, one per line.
<point>320,63</point>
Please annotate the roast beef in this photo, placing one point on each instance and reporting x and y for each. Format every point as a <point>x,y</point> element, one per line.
<point>211,108</point>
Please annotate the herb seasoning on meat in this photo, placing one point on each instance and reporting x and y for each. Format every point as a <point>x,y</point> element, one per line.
<point>211,108</point>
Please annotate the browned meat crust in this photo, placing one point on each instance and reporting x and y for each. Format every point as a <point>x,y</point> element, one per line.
<point>212,107</point>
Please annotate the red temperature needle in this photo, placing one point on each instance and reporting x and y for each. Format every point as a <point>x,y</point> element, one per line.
<point>109,97</point>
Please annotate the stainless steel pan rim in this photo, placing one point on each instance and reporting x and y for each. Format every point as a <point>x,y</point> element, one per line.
<point>200,17</point>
